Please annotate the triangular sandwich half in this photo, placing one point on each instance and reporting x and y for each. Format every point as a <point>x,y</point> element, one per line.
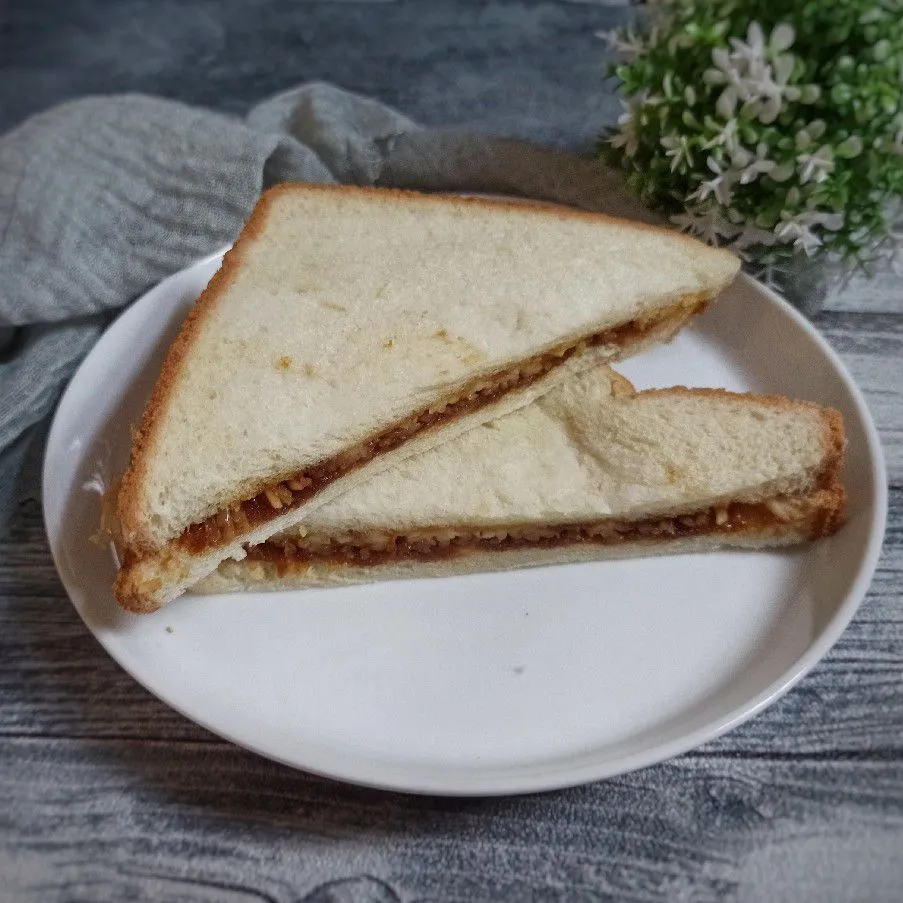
<point>350,328</point>
<point>591,470</point>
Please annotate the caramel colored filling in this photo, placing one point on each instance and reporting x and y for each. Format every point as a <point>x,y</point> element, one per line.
<point>376,548</point>
<point>280,497</point>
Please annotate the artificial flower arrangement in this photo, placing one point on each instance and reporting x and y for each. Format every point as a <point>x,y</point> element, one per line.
<point>772,127</point>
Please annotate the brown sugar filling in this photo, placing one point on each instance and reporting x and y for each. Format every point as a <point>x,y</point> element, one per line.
<point>280,497</point>
<point>371,549</point>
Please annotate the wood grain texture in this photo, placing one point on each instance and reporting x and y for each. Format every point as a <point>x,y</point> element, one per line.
<point>108,795</point>
<point>114,820</point>
<point>878,292</point>
<point>871,345</point>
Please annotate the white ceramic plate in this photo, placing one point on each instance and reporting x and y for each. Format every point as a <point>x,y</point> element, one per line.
<point>485,684</point>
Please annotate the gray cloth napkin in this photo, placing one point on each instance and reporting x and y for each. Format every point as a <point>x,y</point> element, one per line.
<point>102,197</point>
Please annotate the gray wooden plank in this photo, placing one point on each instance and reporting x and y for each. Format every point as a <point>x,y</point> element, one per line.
<point>871,346</point>
<point>56,678</point>
<point>878,292</point>
<point>112,820</point>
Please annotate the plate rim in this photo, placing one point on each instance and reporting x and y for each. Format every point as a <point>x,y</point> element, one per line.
<point>549,778</point>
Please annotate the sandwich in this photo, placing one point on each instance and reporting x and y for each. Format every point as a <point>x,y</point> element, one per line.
<point>591,470</point>
<point>351,328</point>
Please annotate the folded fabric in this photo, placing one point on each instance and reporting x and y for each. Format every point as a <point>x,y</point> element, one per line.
<point>101,198</point>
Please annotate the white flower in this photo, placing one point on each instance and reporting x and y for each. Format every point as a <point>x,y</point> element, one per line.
<point>755,73</point>
<point>677,148</point>
<point>772,276</point>
<point>860,236</point>
<point>831,221</point>
<point>627,136</point>
<point>816,167</point>
<point>668,86</point>
<point>726,138</point>
<point>798,233</point>
<point>624,41</point>
<point>753,166</point>
<point>706,223</point>
<point>752,235</point>
<point>721,186</point>
<point>627,133</point>
<point>766,101</point>
<point>735,87</point>
<point>798,229</point>
<point>754,51</point>
<point>679,41</point>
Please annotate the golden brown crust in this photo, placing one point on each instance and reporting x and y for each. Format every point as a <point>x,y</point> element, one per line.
<point>777,401</point>
<point>132,596</point>
<point>135,590</point>
<point>835,448</point>
<point>834,499</point>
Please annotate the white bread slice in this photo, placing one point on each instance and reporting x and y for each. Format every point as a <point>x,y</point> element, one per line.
<point>340,312</point>
<point>590,450</point>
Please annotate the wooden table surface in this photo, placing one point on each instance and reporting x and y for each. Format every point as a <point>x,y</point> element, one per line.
<point>108,795</point>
